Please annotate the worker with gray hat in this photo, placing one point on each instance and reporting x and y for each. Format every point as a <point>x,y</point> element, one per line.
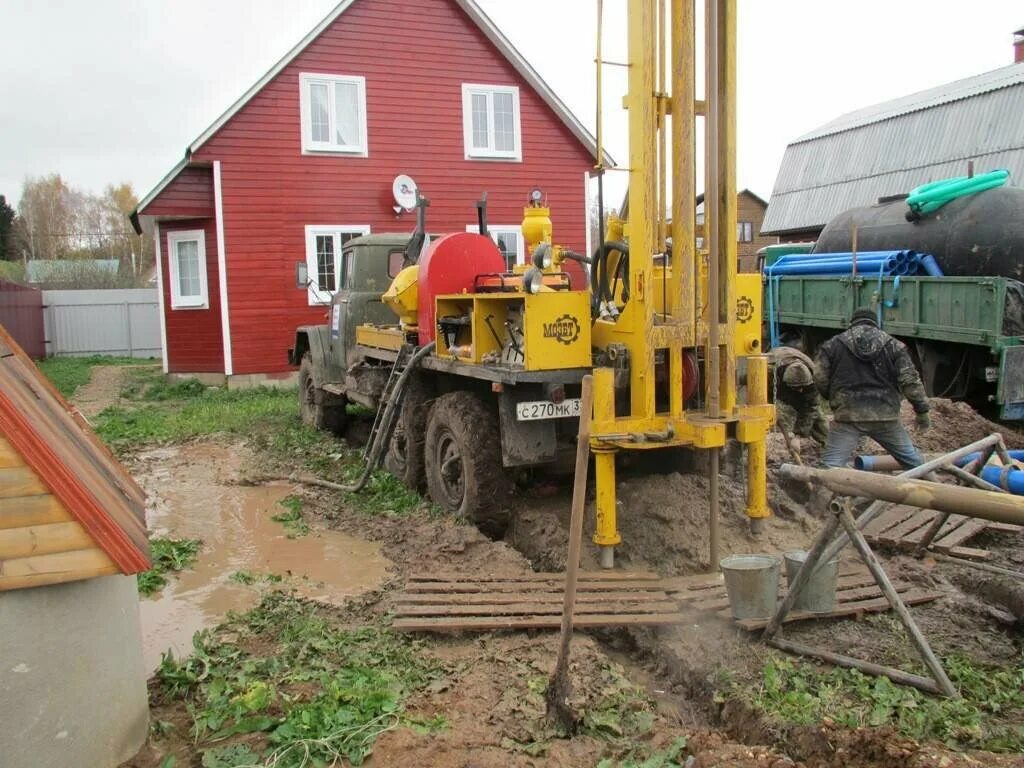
<point>864,372</point>
<point>797,407</point>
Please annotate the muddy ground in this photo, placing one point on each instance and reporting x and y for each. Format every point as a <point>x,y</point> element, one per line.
<point>491,693</point>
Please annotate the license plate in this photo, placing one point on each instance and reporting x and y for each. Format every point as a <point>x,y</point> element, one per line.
<point>545,409</point>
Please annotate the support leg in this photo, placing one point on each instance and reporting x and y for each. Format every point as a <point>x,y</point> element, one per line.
<point>606,533</point>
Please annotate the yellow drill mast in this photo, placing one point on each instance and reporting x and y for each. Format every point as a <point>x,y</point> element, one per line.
<point>676,307</point>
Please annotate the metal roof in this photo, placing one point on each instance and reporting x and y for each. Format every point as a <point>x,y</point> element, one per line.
<point>891,148</point>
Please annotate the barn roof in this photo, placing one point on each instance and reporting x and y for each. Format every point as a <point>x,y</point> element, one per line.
<point>59,446</point>
<point>475,13</point>
<point>892,147</point>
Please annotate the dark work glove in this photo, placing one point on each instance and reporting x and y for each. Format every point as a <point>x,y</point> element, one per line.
<point>923,422</point>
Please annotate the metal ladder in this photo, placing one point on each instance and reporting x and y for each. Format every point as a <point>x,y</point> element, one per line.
<point>384,421</point>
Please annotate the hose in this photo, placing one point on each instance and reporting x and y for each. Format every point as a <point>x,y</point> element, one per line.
<point>928,198</point>
<point>599,279</point>
<point>376,451</point>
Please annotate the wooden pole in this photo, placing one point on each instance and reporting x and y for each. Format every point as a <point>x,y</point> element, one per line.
<point>559,689</point>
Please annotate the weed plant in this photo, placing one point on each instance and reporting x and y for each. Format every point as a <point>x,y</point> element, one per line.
<point>168,556</point>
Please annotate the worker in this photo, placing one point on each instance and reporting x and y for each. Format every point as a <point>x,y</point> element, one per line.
<point>797,407</point>
<point>864,372</point>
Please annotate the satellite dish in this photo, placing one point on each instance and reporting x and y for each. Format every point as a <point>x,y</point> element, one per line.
<point>404,190</point>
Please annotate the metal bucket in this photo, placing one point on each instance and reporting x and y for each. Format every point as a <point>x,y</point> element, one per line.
<point>819,593</point>
<point>752,582</point>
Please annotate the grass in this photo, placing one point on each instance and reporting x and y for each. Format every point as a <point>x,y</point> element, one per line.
<point>168,556</point>
<point>70,373</point>
<point>286,685</point>
<point>294,526</point>
<point>986,716</point>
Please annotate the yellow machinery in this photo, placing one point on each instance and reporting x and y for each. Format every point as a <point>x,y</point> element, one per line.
<point>668,303</point>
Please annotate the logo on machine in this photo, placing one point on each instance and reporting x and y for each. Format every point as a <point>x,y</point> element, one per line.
<point>744,309</point>
<point>565,330</point>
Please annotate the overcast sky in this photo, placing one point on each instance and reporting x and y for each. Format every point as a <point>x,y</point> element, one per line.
<point>105,91</point>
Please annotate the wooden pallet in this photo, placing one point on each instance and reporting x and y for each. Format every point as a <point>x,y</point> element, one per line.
<point>857,594</point>
<point>471,602</point>
<point>903,528</point>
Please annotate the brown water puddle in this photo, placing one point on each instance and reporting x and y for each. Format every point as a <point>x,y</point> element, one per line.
<point>189,499</point>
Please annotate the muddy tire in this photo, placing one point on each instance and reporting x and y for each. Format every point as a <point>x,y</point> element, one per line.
<point>319,409</point>
<point>463,462</point>
<point>405,456</point>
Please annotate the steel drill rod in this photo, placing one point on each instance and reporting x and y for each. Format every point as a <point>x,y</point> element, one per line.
<point>896,675</point>
<point>919,640</point>
<point>977,482</point>
<point>1018,575</point>
<point>875,508</point>
<point>713,488</point>
<point>996,507</point>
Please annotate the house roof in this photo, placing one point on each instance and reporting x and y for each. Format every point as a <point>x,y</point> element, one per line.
<point>892,147</point>
<point>475,13</point>
<point>59,446</point>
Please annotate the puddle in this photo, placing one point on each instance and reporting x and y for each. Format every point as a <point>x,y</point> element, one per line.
<point>189,499</point>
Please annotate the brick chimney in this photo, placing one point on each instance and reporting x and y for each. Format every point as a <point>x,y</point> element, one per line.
<point>1018,46</point>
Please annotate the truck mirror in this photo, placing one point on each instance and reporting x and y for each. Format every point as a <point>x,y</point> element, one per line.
<point>301,274</point>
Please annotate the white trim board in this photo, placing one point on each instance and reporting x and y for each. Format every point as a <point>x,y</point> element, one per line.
<point>222,270</point>
<point>187,303</point>
<point>160,294</point>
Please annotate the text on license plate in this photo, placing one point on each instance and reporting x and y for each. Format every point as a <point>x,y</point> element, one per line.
<point>544,409</point>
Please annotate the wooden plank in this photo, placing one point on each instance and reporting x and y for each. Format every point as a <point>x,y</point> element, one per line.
<point>535,609</point>
<point>8,456</point>
<point>1005,527</point>
<point>878,605</point>
<point>486,623</point>
<point>43,540</point>
<point>843,596</point>
<point>962,534</point>
<point>511,598</point>
<point>970,553</point>
<point>539,586</point>
<point>921,517</point>
<point>529,576</point>
<point>62,566</point>
<point>954,523</point>
<point>20,481</point>
<point>888,519</point>
<point>32,510</point>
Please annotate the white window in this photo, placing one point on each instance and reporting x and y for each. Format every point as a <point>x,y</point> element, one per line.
<point>187,261</point>
<point>745,231</point>
<point>490,120</point>
<point>509,239</point>
<point>333,113</point>
<point>327,259</point>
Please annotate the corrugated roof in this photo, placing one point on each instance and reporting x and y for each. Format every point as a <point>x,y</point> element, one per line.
<point>61,448</point>
<point>893,147</point>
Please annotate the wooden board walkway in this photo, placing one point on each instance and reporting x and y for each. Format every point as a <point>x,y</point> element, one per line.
<point>472,602</point>
<point>453,602</point>
<point>903,528</point>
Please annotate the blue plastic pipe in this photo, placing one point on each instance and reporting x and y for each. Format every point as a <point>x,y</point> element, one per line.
<point>930,265</point>
<point>1010,478</point>
<point>832,268</point>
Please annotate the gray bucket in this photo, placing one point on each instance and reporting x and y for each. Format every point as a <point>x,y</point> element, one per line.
<point>752,582</point>
<point>819,593</point>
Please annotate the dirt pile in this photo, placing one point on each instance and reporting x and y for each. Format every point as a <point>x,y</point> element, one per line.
<point>955,424</point>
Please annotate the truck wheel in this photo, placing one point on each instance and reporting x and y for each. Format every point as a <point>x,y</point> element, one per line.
<point>319,409</point>
<point>463,462</point>
<point>404,458</point>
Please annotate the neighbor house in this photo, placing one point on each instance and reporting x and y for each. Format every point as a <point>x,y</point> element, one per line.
<point>750,210</point>
<point>890,148</point>
<point>305,159</point>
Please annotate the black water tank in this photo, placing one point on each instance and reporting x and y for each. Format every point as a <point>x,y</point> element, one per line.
<point>971,236</point>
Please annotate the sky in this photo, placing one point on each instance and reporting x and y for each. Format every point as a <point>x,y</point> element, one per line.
<point>110,91</point>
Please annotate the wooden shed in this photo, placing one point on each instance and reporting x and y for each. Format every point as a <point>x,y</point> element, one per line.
<point>72,536</point>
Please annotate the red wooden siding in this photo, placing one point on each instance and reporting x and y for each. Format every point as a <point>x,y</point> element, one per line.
<point>189,194</point>
<point>21,313</point>
<point>194,340</point>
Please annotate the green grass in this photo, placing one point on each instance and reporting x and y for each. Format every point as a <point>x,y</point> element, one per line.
<point>986,716</point>
<point>168,556</point>
<point>286,685</point>
<point>70,373</point>
<point>294,526</point>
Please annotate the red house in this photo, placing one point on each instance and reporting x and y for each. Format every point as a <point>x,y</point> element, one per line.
<point>305,160</point>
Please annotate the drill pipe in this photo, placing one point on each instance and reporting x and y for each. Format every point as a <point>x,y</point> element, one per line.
<point>987,505</point>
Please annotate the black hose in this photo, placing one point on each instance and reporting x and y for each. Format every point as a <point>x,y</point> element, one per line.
<point>375,454</point>
<point>599,272</point>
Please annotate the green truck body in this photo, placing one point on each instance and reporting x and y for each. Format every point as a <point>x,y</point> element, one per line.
<point>964,333</point>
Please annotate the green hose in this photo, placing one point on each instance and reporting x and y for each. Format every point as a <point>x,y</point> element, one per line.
<point>928,198</point>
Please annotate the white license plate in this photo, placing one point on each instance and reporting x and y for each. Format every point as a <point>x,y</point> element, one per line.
<point>544,409</point>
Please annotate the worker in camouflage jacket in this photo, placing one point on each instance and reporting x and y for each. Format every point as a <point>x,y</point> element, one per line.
<point>797,406</point>
<point>864,372</point>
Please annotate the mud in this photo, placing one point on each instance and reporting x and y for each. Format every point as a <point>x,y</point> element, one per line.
<point>193,493</point>
<point>104,388</point>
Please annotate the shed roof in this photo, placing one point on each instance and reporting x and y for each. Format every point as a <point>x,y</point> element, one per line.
<point>892,147</point>
<point>475,13</point>
<point>57,443</point>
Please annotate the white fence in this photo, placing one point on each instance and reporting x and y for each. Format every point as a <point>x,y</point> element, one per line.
<point>123,322</point>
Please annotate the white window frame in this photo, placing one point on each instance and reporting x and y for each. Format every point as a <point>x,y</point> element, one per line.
<point>490,153</point>
<point>493,230</point>
<point>310,147</point>
<point>202,301</point>
<point>316,296</point>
